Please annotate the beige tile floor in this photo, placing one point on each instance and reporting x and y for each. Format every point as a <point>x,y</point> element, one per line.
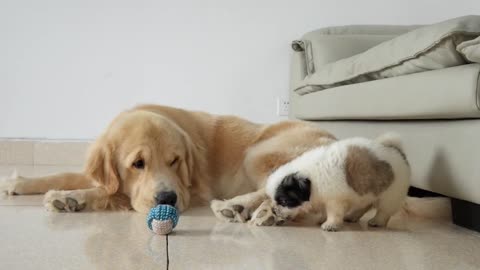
<point>32,238</point>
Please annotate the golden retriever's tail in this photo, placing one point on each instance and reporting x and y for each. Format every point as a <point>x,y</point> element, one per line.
<point>428,207</point>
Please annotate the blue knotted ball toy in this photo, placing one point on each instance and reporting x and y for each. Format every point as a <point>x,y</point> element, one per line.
<point>162,219</point>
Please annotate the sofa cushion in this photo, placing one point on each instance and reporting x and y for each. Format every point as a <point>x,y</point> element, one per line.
<point>426,48</point>
<point>439,94</point>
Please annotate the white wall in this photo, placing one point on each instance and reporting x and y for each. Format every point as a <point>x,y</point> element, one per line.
<point>67,67</point>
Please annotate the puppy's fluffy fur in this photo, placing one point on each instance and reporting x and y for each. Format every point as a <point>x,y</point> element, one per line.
<point>344,180</point>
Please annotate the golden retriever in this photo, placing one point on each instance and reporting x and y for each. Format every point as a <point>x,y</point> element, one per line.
<point>156,154</point>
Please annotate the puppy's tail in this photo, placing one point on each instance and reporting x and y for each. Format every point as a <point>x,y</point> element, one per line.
<point>428,207</point>
<point>390,139</point>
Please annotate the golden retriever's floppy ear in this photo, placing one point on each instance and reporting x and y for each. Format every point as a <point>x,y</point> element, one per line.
<point>187,166</point>
<point>101,167</point>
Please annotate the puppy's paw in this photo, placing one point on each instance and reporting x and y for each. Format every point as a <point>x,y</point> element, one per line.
<point>351,219</point>
<point>330,226</point>
<point>376,223</point>
<point>229,211</point>
<point>265,215</point>
<point>355,215</point>
<point>64,201</point>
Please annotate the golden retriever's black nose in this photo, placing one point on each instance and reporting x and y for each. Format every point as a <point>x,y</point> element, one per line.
<point>166,197</point>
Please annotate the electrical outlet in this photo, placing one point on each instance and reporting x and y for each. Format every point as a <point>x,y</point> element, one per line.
<point>282,106</point>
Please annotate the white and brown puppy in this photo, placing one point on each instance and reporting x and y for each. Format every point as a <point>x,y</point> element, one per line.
<point>344,179</point>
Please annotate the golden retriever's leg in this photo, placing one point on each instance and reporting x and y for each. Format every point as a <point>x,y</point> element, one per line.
<point>95,198</point>
<point>255,207</point>
<point>41,185</point>
<point>356,214</point>
<point>240,208</point>
<point>70,192</point>
<point>259,163</point>
<point>265,215</point>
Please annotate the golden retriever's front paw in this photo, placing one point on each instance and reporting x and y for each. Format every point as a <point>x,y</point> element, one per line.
<point>229,211</point>
<point>8,188</point>
<point>265,215</point>
<point>64,201</point>
<point>12,185</point>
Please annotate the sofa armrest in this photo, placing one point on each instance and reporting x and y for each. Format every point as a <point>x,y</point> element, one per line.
<point>320,50</point>
<point>331,44</point>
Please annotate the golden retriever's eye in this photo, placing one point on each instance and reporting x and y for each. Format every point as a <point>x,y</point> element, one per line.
<point>174,161</point>
<point>139,164</point>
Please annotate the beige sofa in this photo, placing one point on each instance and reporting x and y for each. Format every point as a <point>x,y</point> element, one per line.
<point>436,112</point>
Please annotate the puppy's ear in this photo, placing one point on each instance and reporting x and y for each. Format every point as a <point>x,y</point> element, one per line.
<point>304,187</point>
<point>101,167</point>
<point>293,191</point>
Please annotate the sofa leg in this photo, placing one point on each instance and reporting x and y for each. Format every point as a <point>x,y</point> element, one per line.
<point>466,214</point>
<point>420,193</point>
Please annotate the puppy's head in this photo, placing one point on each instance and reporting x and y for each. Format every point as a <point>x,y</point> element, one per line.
<point>146,157</point>
<point>293,191</point>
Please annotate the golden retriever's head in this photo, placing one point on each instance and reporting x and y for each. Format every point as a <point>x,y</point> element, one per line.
<point>145,156</point>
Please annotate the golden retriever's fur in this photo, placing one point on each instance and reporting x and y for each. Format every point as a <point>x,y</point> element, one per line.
<point>198,156</point>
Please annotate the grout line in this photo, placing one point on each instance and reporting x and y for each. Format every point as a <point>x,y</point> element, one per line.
<point>55,140</point>
<point>34,159</point>
<point>21,205</point>
<point>168,257</point>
